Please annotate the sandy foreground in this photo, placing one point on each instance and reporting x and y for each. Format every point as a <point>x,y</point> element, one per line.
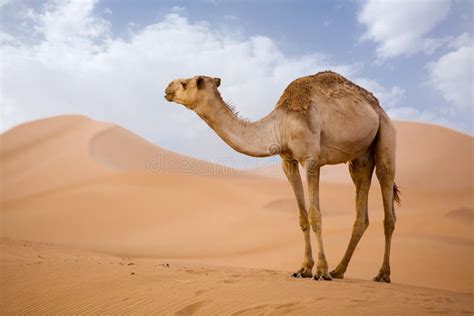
<point>40,278</point>
<point>91,214</point>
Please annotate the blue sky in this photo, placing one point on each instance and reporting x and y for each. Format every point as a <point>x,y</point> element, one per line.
<point>111,59</point>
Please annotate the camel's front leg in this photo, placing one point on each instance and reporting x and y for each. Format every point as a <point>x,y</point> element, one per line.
<point>290,167</point>
<point>312,174</point>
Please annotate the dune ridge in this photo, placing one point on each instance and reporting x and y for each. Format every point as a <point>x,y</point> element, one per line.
<point>107,149</point>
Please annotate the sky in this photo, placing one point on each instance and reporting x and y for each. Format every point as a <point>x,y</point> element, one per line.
<point>112,59</point>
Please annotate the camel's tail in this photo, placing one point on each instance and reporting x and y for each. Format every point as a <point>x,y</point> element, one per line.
<point>385,152</point>
<point>396,194</point>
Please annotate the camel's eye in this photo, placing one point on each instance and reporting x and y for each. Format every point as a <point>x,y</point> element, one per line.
<point>183,84</point>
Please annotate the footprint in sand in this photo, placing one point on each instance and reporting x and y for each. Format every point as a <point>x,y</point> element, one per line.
<point>230,281</point>
<point>199,292</point>
<point>355,300</point>
<point>321,298</point>
<point>444,300</point>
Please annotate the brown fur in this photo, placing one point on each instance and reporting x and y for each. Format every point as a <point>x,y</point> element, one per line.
<point>297,97</point>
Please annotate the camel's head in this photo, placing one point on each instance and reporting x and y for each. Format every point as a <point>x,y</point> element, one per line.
<point>192,92</point>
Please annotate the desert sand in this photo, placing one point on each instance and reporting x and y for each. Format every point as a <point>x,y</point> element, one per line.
<point>95,219</point>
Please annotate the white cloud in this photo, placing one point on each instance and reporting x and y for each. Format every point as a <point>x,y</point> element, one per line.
<point>465,39</point>
<point>401,27</point>
<point>452,75</point>
<point>69,22</point>
<point>6,38</point>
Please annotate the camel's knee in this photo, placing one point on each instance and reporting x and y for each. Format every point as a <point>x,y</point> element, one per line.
<point>385,172</point>
<point>303,221</point>
<point>361,225</point>
<point>315,219</point>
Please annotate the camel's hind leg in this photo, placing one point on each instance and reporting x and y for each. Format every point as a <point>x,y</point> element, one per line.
<point>385,171</point>
<point>361,170</point>
<point>290,167</point>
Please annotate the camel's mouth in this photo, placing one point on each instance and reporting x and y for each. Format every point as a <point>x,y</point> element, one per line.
<point>169,96</point>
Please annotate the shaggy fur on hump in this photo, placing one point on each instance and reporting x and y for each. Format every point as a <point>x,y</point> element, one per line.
<point>297,97</point>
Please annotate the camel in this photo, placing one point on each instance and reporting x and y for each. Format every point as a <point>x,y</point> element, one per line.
<point>319,120</point>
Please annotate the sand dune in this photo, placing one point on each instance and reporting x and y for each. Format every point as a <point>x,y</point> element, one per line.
<point>434,157</point>
<point>47,154</point>
<point>75,183</point>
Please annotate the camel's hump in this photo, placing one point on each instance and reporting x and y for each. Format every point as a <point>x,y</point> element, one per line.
<point>297,96</point>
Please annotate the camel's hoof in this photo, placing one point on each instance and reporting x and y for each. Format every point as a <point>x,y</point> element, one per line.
<point>336,274</point>
<point>382,278</point>
<point>322,277</point>
<point>302,275</point>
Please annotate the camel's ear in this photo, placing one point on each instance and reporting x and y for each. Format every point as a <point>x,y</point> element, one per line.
<point>200,82</point>
<point>217,81</point>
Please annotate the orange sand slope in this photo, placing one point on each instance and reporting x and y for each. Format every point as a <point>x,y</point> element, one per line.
<point>89,185</point>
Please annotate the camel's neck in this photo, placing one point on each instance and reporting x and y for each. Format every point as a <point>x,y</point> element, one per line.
<point>257,139</point>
